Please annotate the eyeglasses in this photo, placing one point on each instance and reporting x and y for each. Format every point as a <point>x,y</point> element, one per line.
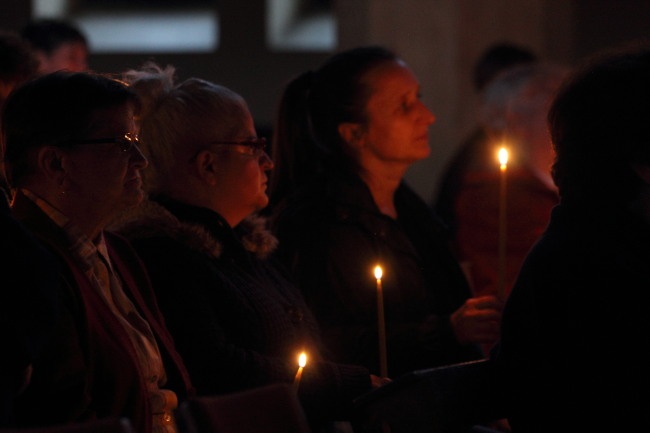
<point>252,147</point>
<point>126,142</point>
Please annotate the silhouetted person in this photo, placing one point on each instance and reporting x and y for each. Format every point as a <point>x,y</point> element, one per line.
<point>575,328</point>
<point>476,149</point>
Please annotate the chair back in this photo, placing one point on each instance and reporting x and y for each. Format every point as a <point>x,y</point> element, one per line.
<point>105,425</point>
<point>269,409</point>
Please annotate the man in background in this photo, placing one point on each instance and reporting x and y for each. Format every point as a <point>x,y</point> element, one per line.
<point>57,45</point>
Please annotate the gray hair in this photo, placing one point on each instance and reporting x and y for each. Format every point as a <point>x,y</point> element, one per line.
<point>178,120</point>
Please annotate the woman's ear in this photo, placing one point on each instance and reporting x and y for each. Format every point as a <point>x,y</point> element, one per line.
<point>352,133</point>
<point>206,165</point>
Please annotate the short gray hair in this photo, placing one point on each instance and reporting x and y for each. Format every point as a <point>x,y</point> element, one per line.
<point>178,120</point>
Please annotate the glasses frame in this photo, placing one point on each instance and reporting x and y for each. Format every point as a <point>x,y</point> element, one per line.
<point>257,146</point>
<point>127,142</point>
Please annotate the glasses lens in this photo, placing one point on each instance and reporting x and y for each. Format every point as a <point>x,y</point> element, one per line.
<point>128,141</point>
<point>258,145</point>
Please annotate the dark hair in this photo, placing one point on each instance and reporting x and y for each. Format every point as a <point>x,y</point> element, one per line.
<point>53,109</point>
<point>339,94</point>
<point>599,127</point>
<point>49,34</point>
<point>497,58</point>
<point>294,152</point>
<point>17,63</point>
<point>312,107</point>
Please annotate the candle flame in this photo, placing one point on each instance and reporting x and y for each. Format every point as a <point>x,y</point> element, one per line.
<point>302,359</point>
<point>503,157</point>
<point>378,272</point>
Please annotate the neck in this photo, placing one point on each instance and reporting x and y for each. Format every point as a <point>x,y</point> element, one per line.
<point>209,201</point>
<point>382,186</point>
<point>86,217</point>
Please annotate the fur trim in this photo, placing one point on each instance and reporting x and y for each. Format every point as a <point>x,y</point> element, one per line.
<point>150,219</point>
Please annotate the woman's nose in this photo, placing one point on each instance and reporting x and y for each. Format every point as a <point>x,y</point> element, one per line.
<point>266,162</point>
<point>138,158</point>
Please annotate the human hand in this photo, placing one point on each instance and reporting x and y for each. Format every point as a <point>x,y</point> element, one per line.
<point>477,320</point>
<point>377,381</point>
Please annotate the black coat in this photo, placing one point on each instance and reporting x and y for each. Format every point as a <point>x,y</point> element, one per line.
<point>237,321</point>
<point>576,327</point>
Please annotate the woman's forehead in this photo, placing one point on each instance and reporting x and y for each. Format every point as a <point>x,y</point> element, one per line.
<point>114,118</point>
<point>391,79</point>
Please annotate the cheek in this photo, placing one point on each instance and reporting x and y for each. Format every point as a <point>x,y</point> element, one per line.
<point>241,179</point>
<point>252,176</point>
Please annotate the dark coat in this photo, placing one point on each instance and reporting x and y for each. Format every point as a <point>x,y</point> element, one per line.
<point>576,327</point>
<point>90,369</point>
<point>331,237</point>
<point>237,320</point>
<point>28,309</point>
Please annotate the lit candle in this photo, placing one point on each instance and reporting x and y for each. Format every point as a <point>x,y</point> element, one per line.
<point>302,361</point>
<point>381,326</point>
<point>501,283</point>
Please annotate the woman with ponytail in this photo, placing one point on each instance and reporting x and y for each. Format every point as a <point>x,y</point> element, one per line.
<point>346,134</point>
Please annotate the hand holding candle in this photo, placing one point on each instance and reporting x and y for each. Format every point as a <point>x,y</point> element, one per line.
<point>381,326</point>
<point>501,283</point>
<point>302,361</point>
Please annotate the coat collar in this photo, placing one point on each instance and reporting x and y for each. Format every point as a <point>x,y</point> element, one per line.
<point>205,231</point>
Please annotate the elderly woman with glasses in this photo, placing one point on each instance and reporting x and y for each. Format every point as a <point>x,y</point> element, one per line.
<point>236,319</point>
<point>74,166</point>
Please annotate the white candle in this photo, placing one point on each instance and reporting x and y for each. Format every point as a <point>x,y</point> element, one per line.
<point>302,361</point>
<point>501,282</point>
<point>381,325</point>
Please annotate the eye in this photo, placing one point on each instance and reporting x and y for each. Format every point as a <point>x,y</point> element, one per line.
<point>409,101</point>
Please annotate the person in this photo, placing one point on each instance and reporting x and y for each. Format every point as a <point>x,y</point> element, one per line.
<point>57,44</point>
<point>573,340</point>
<point>73,167</point>
<point>239,323</point>
<point>17,63</point>
<point>355,211</point>
<point>28,308</point>
<point>476,148</point>
<point>513,115</point>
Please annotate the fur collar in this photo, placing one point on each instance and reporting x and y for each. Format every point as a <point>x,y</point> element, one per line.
<point>150,219</point>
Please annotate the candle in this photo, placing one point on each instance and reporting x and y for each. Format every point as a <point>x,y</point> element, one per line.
<point>381,325</point>
<point>501,282</point>
<point>302,361</point>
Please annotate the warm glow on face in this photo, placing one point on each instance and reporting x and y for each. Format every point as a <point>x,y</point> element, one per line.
<point>378,272</point>
<point>503,157</point>
<point>302,359</point>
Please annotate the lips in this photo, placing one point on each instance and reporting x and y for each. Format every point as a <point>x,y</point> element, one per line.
<point>135,180</point>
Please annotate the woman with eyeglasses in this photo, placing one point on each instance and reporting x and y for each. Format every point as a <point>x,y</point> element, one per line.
<point>237,321</point>
<point>74,167</point>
